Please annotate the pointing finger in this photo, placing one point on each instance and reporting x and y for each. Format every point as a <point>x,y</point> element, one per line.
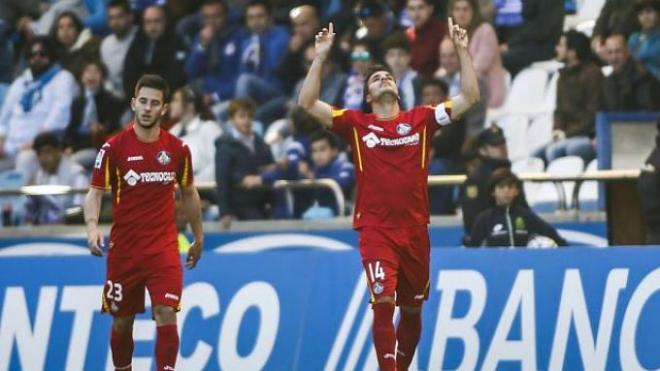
<point>451,26</point>
<point>332,28</point>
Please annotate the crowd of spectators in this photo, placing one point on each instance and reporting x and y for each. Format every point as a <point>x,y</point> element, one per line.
<point>68,68</point>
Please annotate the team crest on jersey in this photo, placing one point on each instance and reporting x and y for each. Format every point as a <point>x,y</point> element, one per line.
<point>403,128</point>
<point>163,157</point>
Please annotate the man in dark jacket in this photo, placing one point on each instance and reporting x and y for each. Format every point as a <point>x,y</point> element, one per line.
<point>507,223</point>
<point>156,50</point>
<point>475,196</point>
<point>240,159</point>
<point>649,191</point>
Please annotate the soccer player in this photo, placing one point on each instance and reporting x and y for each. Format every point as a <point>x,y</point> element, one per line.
<point>391,157</point>
<point>141,165</point>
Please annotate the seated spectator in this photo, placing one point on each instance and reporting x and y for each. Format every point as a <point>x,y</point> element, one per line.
<point>197,128</point>
<point>262,50</point>
<point>305,23</point>
<point>630,87</point>
<point>215,54</point>
<point>74,43</point>
<point>114,47</point>
<point>361,60</point>
<point>645,45</point>
<point>240,159</point>
<point>575,112</point>
<point>95,115</point>
<point>38,100</point>
<point>424,35</point>
<point>397,57</point>
<point>433,91</point>
<point>507,223</point>
<point>536,38</point>
<point>483,48</point>
<point>328,162</point>
<point>450,72</point>
<point>54,169</point>
<point>616,17</point>
<point>155,49</point>
<point>492,154</point>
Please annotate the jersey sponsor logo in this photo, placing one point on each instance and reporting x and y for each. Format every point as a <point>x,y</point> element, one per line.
<point>131,177</point>
<point>134,158</point>
<point>372,140</point>
<point>374,127</point>
<point>403,128</point>
<point>163,158</point>
<point>99,158</point>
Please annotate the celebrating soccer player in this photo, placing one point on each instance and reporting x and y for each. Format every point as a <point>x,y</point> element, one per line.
<point>391,156</point>
<point>141,165</point>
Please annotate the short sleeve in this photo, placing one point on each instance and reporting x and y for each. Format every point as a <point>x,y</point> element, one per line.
<point>342,122</point>
<point>443,113</point>
<point>185,174</point>
<point>101,173</point>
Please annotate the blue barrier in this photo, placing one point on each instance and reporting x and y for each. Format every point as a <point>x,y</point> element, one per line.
<point>298,309</point>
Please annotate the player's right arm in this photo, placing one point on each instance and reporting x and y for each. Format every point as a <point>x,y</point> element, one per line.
<point>469,95</point>
<point>311,88</point>
<point>92,209</point>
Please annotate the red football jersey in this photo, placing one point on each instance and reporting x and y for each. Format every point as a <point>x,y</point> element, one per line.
<point>391,163</point>
<point>142,177</point>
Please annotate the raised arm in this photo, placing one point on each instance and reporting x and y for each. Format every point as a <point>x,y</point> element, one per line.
<point>469,94</point>
<point>311,88</point>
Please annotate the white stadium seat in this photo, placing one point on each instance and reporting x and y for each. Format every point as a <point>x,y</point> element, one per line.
<point>525,96</point>
<point>539,133</point>
<point>529,165</point>
<point>515,132</point>
<point>548,198</point>
<point>588,194</point>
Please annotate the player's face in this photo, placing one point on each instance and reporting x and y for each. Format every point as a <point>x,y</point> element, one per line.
<point>462,13</point>
<point>419,12</point>
<point>505,194</point>
<point>149,107</point>
<point>256,19</point>
<point>381,83</point>
<point>322,153</point>
<point>398,60</point>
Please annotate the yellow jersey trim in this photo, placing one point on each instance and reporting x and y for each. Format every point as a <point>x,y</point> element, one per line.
<point>357,148</point>
<point>186,170</point>
<point>337,112</point>
<point>424,148</point>
<point>118,184</point>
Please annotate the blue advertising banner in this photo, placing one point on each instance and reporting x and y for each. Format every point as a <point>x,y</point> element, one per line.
<point>306,309</point>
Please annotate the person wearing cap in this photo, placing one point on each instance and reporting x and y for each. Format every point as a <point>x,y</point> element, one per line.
<point>645,44</point>
<point>649,192</point>
<point>508,223</point>
<point>375,23</point>
<point>492,154</point>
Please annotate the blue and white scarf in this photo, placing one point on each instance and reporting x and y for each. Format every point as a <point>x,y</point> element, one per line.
<point>34,87</point>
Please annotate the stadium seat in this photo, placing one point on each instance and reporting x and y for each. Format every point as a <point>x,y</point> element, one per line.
<point>588,193</point>
<point>587,13</point>
<point>515,132</point>
<point>548,197</point>
<point>539,133</point>
<point>525,97</point>
<point>529,165</point>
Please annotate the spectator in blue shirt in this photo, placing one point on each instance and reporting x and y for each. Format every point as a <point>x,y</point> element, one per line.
<point>215,53</point>
<point>262,49</point>
<point>645,45</point>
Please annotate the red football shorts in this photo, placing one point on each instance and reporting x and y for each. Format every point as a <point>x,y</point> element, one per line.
<point>127,277</point>
<point>396,262</point>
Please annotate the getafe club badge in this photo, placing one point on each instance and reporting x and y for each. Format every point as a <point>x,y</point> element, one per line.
<point>403,128</point>
<point>163,158</point>
<point>378,288</point>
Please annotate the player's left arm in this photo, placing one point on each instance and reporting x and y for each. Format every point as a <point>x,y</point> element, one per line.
<point>192,206</point>
<point>469,94</point>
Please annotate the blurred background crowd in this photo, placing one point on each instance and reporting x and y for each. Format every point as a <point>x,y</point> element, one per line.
<point>68,68</point>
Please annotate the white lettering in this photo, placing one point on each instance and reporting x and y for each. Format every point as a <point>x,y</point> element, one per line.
<point>521,298</point>
<point>83,302</point>
<point>263,296</point>
<point>446,327</point>
<point>203,296</point>
<point>627,344</point>
<point>31,342</point>
<point>573,307</point>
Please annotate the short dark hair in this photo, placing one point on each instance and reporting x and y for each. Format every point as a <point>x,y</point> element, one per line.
<point>222,3</point>
<point>123,4</point>
<point>397,40</point>
<point>647,4</point>
<point>240,104</point>
<point>95,61</point>
<point>154,82</point>
<point>46,139</point>
<point>46,42</point>
<point>323,134</point>
<point>303,122</point>
<point>372,70</point>
<point>503,176</point>
<point>264,3</point>
<point>192,95</point>
<point>441,84</point>
<point>580,43</point>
